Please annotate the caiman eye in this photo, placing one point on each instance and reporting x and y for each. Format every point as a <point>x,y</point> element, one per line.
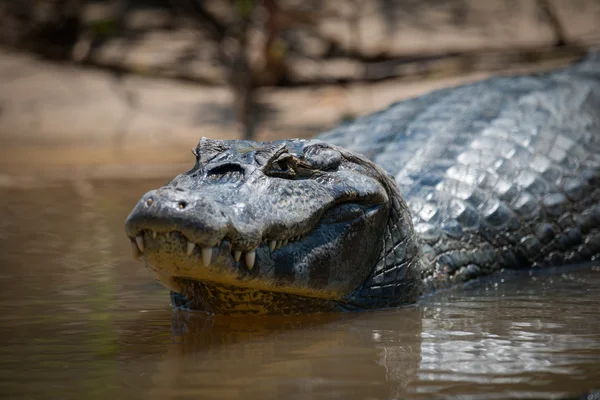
<point>282,167</point>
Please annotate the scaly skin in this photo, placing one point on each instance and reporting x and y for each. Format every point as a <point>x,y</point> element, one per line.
<point>456,184</point>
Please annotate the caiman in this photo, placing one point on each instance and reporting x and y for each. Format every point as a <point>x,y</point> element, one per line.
<point>433,191</point>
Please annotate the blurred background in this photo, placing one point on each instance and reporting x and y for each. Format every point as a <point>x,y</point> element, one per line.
<point>128,87</point>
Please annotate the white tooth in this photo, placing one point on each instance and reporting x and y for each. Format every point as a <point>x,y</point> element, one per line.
<point>279,243</point>
<point>250,257</point>
<point>236,255</point>
<point>285,242</point>
<point>206,255</point>
<point>272,244</point>
<point>135,251</point>
<point>140,243</point>
<point>190,248</point>
<point>153,234</point>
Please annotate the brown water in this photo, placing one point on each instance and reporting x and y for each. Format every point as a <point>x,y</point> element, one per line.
<point>80,319</point>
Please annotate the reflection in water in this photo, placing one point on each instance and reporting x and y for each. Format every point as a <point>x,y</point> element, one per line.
<point>80,319</point>
<point>529,333</point>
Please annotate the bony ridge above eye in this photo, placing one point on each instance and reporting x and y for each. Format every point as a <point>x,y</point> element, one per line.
<point>196,154</point>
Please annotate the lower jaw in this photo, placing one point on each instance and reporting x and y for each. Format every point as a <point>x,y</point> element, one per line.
<point>215,298</point>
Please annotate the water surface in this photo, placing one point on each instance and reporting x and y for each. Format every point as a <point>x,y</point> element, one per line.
<point>80,319</point>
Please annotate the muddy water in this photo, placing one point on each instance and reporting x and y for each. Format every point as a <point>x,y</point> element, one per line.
<point>80,319</point>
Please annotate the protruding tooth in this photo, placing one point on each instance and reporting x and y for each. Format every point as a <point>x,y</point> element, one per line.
<point>279,243</point>
<point>140,243</point>
<point>250,257</point>
<point>135,251</point>
<point>206,255</point>
<point>154,234</point>
<point>272,244</point>
<point>190,248</point>
<point>236,255</point>
<point>285,242</point>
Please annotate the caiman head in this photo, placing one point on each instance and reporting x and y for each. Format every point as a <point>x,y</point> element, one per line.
<point>277,228</point>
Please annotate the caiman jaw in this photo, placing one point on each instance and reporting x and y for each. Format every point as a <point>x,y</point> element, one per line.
<point>234,282</point>
<point>138,247</point>
<point>172,256</point>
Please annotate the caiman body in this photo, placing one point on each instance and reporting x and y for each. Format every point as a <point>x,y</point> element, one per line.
<point>443,188</point>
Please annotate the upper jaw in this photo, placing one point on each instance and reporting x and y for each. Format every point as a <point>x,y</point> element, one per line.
<point>204,224</point>
<point>206,220</point>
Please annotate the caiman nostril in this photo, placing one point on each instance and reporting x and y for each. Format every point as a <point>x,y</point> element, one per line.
<point>149,202</point>
<point>182,204</point>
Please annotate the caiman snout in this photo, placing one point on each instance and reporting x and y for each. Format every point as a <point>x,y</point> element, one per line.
<point>194,214</point>
<point>175,198</point>
<point>190,224</point>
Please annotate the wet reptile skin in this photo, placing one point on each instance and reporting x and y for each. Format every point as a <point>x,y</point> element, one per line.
<point>500,173</point>
<point>443,188</point>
